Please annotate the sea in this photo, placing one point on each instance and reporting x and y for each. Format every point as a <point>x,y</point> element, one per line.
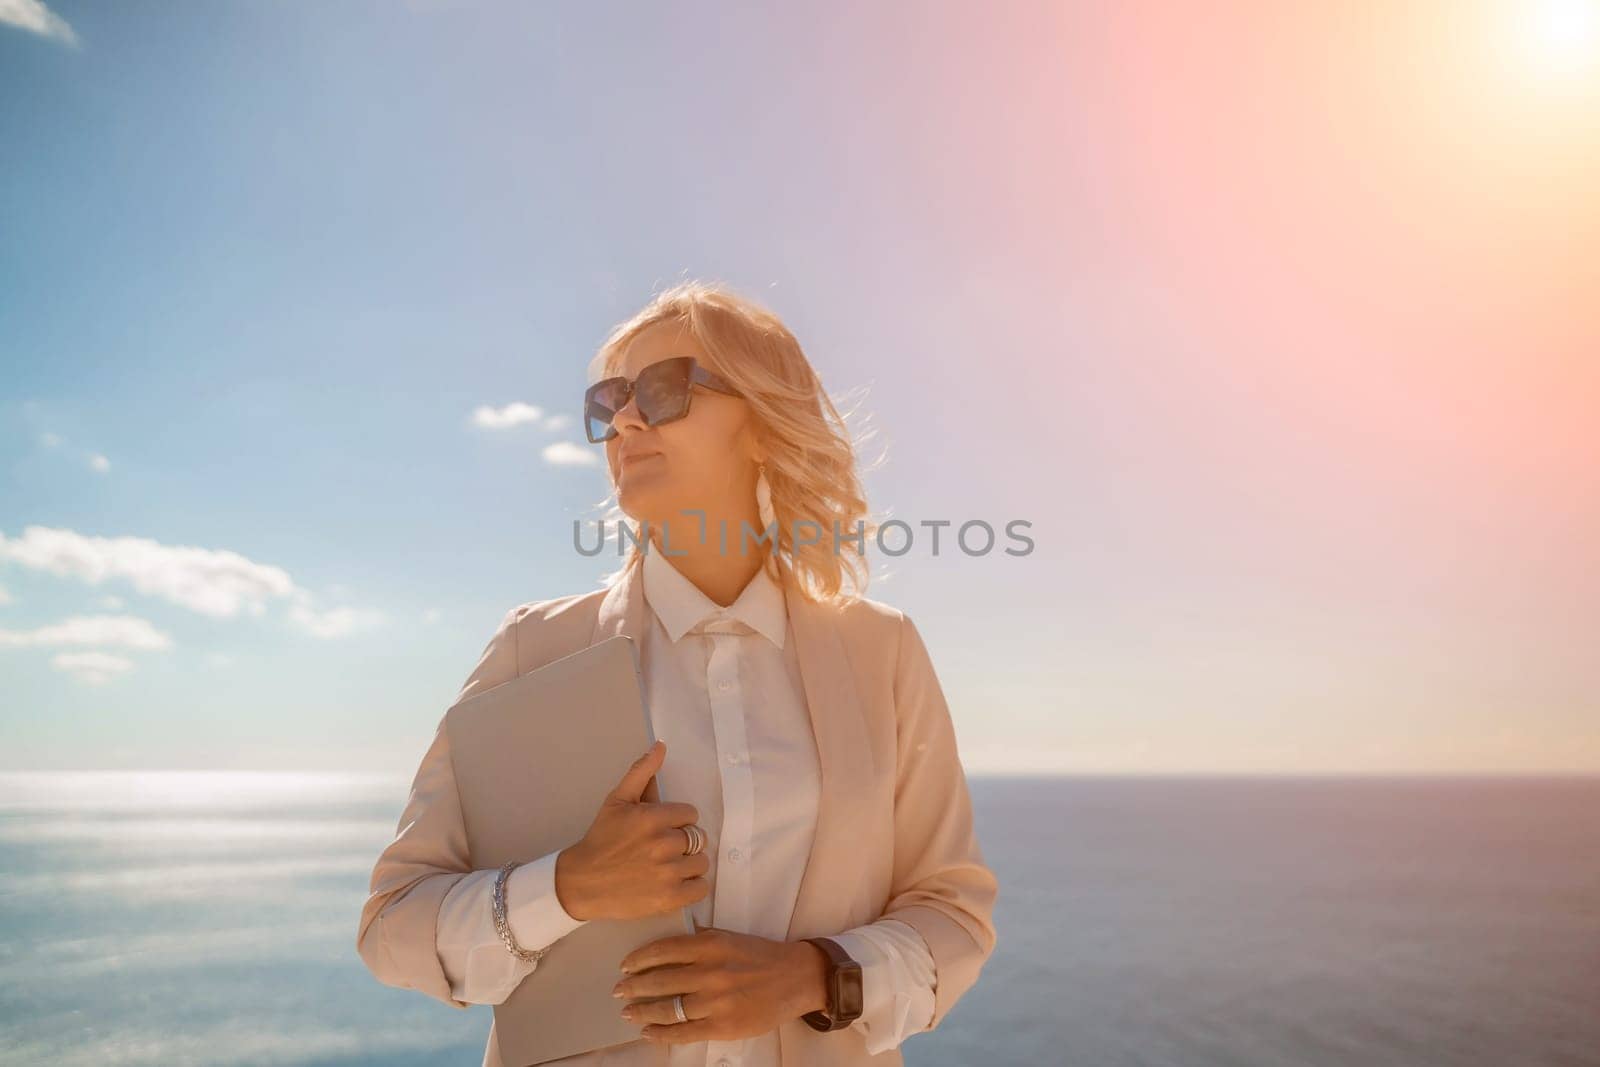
<point>210,918</point>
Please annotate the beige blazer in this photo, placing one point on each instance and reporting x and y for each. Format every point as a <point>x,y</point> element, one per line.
<point>894,834</point>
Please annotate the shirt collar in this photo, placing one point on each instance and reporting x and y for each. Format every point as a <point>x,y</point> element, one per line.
<point>680,605</point>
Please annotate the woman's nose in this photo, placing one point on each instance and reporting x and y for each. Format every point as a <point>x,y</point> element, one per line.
<point>629,417</point>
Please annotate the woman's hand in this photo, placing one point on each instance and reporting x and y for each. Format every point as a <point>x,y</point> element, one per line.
<point>631,860</point>
<point>733,985</point>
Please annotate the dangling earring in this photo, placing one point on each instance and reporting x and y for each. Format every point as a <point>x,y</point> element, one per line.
<point>764,498</point>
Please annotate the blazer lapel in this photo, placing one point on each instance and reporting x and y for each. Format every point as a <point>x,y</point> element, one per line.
<point>833,870</point>
<point>844,754</point>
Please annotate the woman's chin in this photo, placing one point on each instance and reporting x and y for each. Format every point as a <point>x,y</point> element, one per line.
<point>642,506</point>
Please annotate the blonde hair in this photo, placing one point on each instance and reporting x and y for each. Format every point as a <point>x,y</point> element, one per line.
<point>807,448</point>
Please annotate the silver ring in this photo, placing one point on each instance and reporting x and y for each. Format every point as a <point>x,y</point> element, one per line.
<point>697,839</point>
<point>677,1006</point>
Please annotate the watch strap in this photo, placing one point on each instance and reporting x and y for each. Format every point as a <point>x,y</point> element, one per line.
<point>829,1019</point>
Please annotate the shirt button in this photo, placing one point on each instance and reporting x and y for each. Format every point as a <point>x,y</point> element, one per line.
<point>735,855</point>
<point>733,757</point>
<point>724,684</point>
<point>724,1062</point>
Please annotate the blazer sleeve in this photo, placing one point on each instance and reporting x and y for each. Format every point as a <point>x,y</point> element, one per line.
<point>397,937</point>
<point>942,887</point>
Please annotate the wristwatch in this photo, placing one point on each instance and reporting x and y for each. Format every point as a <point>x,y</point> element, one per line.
<point>844,989</point>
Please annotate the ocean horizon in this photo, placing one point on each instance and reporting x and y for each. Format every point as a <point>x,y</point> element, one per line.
<point>181,917</point>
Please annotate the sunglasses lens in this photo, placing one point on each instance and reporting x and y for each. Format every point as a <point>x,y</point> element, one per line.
<point>603,403</point>
<point>662,390</point>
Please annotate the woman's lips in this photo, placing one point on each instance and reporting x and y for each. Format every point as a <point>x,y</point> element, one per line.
<point>637,456</point>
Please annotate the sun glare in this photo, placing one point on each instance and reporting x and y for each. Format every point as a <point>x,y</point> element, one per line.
<point>1560,37</point>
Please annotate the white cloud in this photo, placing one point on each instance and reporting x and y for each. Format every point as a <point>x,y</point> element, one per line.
<point>5,597</point>
<point>518,413</point>
<point>214,582</point>
<point>110,603</point>
<point>513,414</point>
<point>94,668</point>
<point>430,616</point>
<point>127,631</point>
<point>96,461</point>
<point>331,622</point>
<point>217,583</point>
<point>34,17</point>
<point>567,454</point>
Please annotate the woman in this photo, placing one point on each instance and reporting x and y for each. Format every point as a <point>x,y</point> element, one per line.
<point>819,816</point>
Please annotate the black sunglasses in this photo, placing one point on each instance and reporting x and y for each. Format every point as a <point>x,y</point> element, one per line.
<point>662,389</point>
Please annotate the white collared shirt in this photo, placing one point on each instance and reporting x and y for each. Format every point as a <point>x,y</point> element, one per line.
<point>725,694</point>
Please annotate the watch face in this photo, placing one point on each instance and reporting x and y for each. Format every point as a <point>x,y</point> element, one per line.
<point>850,991</point>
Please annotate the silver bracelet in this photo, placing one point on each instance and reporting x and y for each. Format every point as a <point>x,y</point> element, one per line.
<point>504,927</point>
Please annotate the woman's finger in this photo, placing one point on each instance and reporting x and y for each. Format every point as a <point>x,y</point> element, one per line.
<point>659,1010</point>
<point>662,981</point>
<point>681,1033</point>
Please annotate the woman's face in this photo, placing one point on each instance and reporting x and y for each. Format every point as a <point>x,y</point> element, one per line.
<point>703,460</point>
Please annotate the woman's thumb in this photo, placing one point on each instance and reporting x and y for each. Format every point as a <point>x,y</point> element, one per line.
<point>638,776</point>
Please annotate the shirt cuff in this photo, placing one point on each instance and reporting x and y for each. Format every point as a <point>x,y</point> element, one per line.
<point>897,981</point>
<point>533,910</point>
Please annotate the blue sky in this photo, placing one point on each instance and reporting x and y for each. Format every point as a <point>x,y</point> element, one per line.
<point>1146,280</point>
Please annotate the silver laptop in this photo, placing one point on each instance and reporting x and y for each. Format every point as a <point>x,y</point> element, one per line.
<point>534,758</point>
